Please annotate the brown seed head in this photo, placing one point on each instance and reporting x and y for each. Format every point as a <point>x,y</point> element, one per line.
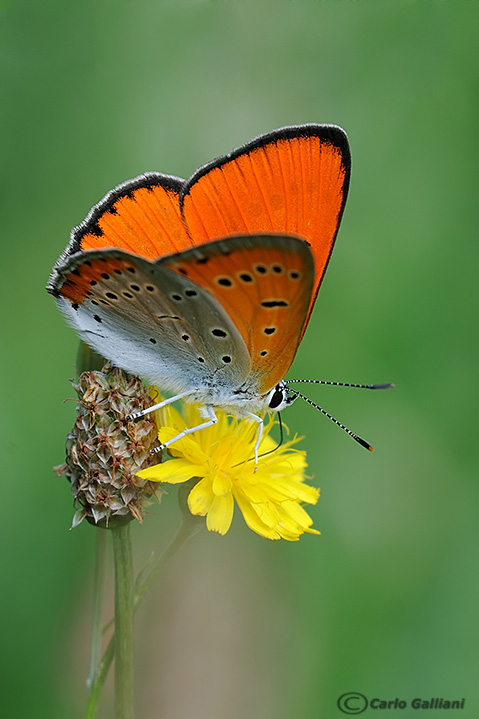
<point>104,451</point>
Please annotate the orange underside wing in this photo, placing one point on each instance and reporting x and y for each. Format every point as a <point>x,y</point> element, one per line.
<point>80,283</point>
<point>267,292</point>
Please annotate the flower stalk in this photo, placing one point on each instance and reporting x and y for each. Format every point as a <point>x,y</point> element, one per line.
<point>188,529</point>
<point>123,621</point>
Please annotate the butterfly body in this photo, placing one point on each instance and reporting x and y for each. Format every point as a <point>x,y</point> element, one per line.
<point>205,287</point>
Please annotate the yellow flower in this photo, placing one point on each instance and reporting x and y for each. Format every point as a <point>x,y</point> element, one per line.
<point>270,499</point>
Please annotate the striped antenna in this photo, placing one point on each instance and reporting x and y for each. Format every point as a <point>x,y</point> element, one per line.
<point>358,439</point>
<point>342,384</point>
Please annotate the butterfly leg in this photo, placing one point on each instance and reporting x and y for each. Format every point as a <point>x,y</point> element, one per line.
<point>135,415</point>
<point>212,419</point>
<point>258,437</point>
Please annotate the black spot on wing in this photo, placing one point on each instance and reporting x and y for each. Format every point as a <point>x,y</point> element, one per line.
<point>271,304</point>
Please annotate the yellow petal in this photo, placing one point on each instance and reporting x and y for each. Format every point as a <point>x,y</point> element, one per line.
<point>298,514</point>
<point>268,512</point>
<point>294,521</point>
<point>201,497</point>
<point>173,471</point>
<point>292,463</point>
<point>220,514</point>
<point>258,493</point>
<point>187,447</point>
<point>221,484</point>
<point>281,488</point>
<point>170,417</point>
<point>253,521</point>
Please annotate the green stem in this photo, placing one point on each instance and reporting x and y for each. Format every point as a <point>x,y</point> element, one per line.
<point>188,529</point>
<point>98,596</point>
<point>123,622</point>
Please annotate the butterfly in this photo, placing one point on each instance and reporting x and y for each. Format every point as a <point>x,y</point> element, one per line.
<point>205,286</point>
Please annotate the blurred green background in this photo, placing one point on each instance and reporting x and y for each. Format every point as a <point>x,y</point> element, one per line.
<point>384,602</point>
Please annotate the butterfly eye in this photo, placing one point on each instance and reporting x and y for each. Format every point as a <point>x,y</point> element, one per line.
<point>277,397</point>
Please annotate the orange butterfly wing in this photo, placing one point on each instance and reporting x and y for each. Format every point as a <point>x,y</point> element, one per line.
<point>291,181</point>
<point>264,283</point>
<point>141,216</point>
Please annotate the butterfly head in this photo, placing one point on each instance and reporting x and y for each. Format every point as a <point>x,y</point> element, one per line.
<point>280,397</point>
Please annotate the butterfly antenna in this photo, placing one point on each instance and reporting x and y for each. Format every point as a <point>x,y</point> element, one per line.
<point>343,384</point>
<point>358,439</point>
<point>281,437</point>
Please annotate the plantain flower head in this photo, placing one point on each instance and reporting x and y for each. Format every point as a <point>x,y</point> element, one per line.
<point>104,450</point>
